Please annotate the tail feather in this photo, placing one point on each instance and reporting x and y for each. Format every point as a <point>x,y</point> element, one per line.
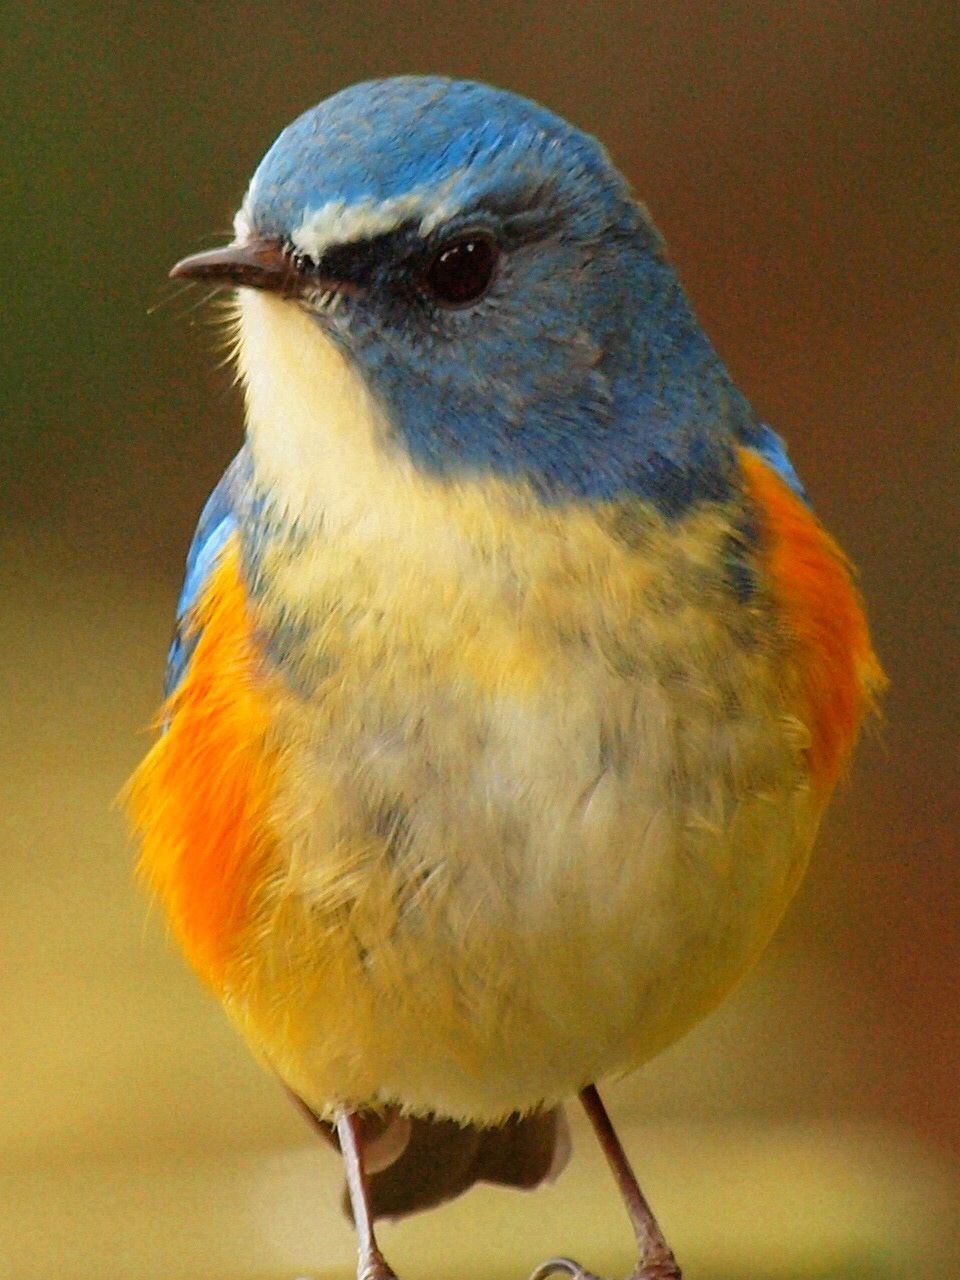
<point>415,1163</point>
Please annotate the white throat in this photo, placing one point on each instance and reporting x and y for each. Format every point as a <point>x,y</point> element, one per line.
<point>320,441</point>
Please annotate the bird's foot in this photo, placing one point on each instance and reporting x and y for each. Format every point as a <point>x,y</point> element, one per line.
<point>663,1267</point>
<point>561,1266</point>
<point>375,1267</point>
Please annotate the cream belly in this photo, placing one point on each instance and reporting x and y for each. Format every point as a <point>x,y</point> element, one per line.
<point>504,872</point>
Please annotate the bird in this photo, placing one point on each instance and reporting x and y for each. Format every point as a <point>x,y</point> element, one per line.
<point>512,670</point>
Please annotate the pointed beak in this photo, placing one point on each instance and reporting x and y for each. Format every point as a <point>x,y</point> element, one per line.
<point>254,263</point>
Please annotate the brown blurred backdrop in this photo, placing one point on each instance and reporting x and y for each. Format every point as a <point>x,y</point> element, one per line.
<point>802,161</point>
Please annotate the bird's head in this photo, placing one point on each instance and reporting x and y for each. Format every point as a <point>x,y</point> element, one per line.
<point>464,280</point>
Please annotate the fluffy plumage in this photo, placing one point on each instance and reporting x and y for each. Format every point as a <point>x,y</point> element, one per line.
<point>513,671</point>
<point>584,748</point>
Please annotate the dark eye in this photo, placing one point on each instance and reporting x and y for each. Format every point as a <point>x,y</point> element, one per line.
<point>460,272</point>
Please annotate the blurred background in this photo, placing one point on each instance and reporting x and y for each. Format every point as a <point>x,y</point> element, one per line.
<point>802,161</point>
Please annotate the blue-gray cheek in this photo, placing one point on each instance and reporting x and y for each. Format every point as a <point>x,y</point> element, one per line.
<point>571,405</point>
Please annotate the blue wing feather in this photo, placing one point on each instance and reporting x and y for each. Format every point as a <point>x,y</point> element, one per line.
<point>765,441</point>
<point>218,521</point>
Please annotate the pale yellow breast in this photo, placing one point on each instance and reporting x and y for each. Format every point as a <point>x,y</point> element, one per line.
<point>530,829</point>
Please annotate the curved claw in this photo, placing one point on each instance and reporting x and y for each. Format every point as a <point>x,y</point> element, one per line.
<point>563,1266</point>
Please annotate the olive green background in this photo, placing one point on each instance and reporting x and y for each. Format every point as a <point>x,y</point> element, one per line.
<point>802,161</point>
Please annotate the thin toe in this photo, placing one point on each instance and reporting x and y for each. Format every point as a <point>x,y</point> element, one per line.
<point>562,1266</point>
<point>664,1268</point>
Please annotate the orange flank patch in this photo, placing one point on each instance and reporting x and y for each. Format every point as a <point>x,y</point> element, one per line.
<point>200,798</point>
<point>837,673</point>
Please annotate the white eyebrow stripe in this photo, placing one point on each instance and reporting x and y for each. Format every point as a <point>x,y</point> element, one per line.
<point>339,222</point>
<point>243,218</point>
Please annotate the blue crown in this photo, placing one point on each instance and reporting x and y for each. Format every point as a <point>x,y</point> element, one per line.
<point>380,141</point>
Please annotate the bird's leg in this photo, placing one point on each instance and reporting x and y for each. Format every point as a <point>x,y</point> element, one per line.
<point>371,1264</point>
<point>656,1261</point>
